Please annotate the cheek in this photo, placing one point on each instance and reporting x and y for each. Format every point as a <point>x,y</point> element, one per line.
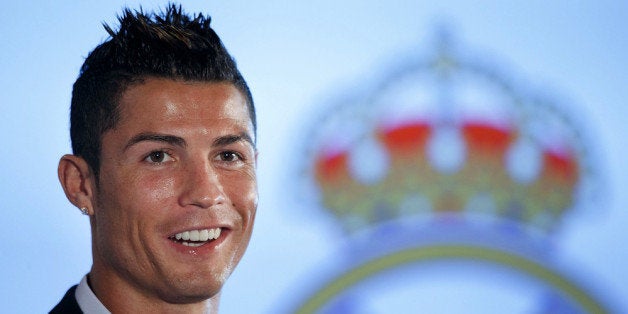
<point>127,215</point>
<point>157,188</point>
<point>147,189</point>
<point>242,190</point>
<point>125,200</point>
<point>244,198</point>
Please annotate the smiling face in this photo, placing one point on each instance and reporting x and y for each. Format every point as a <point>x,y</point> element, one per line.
<point>176,195</point>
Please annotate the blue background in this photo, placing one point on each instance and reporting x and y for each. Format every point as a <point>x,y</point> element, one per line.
<point>295,55</point>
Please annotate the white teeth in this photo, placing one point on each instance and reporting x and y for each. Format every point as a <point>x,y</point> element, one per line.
<point>194,235</point>
<point>194,244</point>
<point>201,235</point>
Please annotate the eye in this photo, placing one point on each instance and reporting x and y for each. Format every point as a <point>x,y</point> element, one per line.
<point>229,156</point>
<point>158,157</point>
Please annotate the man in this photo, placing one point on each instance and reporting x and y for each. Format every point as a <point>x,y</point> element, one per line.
<point>164,158</point>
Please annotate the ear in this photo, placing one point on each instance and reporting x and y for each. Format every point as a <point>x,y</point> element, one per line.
<point>77,181</point>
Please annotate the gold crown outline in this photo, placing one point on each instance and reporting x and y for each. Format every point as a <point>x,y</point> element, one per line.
<point>434,163</point>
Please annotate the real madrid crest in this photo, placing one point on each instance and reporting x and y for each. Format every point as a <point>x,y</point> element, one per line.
<point>450,181</point>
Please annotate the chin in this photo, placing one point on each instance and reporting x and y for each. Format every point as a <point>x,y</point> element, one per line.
<point>189,295</point>
<point>193,289</point>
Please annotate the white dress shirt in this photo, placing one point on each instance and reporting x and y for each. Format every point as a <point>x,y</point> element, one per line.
<point>87,300</point>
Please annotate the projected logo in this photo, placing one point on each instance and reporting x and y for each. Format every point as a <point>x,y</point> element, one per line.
<point>450,181</point>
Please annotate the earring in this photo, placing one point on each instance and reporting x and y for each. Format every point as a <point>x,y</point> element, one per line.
<point>84,210</point>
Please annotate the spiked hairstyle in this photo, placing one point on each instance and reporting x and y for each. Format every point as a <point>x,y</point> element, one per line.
<point>169,44</point>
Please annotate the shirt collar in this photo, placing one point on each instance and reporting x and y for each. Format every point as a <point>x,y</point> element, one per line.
<point>87,300</point>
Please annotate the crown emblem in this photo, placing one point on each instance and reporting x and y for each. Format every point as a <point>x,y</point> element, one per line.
<point>447,137</point>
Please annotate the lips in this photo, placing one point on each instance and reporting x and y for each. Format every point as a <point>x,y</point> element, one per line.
<point>196,238</point>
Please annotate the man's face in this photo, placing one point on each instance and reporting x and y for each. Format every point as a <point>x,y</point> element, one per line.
<point>177,171</point>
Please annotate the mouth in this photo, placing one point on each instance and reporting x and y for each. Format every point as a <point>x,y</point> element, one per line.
<point>196,238</point>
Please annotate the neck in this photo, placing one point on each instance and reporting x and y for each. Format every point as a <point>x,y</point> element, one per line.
<point>118,297</point>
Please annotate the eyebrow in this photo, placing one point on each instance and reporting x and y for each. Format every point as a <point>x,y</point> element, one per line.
<point>230,139</point>
<point>178,141</point>
<point>155,137</point>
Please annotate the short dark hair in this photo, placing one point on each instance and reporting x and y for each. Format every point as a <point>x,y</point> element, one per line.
<point>168,44</point>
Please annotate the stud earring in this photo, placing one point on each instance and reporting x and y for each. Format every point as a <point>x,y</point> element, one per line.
<point>84,210</point>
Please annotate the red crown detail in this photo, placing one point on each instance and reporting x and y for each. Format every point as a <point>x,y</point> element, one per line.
<point>445,136</point>
<point>485,179</point>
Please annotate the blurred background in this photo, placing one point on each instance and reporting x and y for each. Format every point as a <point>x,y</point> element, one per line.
<point>343,90</point>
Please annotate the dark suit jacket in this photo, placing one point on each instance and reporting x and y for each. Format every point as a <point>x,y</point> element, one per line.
<point>68,304</point>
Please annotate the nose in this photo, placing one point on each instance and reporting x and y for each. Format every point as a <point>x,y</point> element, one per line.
<point>201,186</point>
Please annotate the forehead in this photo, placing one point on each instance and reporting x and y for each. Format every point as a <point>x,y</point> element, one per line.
<point>155,101</point>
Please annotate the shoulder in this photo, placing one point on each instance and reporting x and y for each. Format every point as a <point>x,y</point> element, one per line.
<point>68,304</point>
